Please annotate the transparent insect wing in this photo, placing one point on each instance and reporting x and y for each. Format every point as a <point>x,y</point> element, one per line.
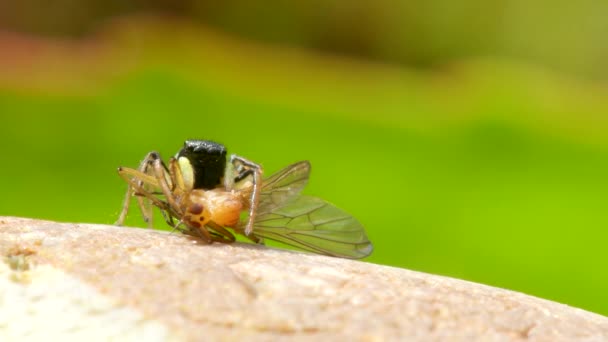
<point>282,186</point>
<point>307,222</point>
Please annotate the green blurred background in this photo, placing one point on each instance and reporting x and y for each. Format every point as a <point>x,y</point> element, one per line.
<point>469,137</point>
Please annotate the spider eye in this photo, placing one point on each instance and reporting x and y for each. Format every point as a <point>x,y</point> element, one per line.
<point>207,161</point>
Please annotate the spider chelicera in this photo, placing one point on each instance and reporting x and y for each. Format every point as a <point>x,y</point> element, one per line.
<point>200,193</point>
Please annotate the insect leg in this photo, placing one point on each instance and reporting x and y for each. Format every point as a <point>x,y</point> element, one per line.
<point>221,233</point>
<point>256,239</point>
<point>255,193</point>
<point>201,232</point>
<point>253,237</point>
<point>169,219</point>
<point>146,210</point>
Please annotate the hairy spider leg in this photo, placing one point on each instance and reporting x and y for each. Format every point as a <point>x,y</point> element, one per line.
<point>167,181</point>
<point>144,206</point>
<point>135,179</point>
<point>254,198</point>
<point>161,172</point>
<point>144,198</point>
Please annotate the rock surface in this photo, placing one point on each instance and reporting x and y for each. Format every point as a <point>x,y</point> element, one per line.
<point>99,282</point>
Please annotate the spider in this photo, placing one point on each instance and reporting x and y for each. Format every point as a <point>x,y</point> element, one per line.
<point>202,194</point>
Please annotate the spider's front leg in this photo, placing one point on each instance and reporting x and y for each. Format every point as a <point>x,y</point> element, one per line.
<point>238,169</point>
<point>144,206</point>
<point>144,184</point>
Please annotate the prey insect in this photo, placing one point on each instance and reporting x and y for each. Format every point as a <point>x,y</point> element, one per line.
<point>201,193</point>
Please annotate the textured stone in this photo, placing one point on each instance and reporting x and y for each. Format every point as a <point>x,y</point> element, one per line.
<point>97,282</point>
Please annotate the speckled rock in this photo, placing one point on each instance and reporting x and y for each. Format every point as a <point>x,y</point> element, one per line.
<point>98,282</point>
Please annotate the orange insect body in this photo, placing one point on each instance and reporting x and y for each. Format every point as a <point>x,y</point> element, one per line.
<point>217,205</point>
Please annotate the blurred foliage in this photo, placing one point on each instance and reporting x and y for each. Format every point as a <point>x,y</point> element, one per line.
<point>563,34</point>
<point>487,170</point>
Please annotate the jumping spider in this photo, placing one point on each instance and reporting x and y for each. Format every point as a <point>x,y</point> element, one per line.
<point>201,194</point>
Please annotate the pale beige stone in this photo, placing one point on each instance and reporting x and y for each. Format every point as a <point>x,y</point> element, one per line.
<point>97,282</point>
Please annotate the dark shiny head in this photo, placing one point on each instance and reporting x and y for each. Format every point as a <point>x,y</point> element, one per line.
<point>208,160</point>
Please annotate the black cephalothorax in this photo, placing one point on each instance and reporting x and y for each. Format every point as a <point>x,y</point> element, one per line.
<point>208,160</point>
